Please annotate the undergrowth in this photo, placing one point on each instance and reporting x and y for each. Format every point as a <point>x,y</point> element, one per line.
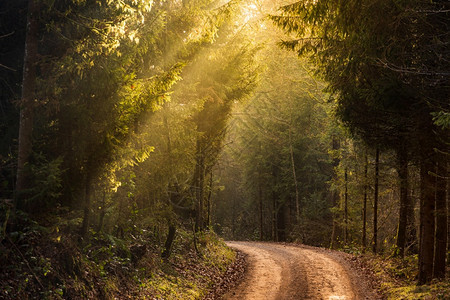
<point>397,280</point>
<point>50,262</point>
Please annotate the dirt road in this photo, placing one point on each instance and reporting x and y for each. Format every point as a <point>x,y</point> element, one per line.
<point>277,271</point>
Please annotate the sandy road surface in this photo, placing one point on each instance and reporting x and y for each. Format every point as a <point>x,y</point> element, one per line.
<point>277,271</point>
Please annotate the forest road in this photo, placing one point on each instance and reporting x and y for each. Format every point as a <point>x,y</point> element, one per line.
<point>279,271</point>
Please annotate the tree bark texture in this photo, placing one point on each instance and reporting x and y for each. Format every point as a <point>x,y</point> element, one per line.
<point>198,185</point>
<point>335,198</point>
<point>281,222</point>
<point>27,103</point>
<point>375,202</point>
<point>411,229</point>
<point>274,217</point>
<point>297,198</point>
<point>364,228</point>
<point>448,212</point>
<point>261,217</point>
<point>427,221</point>
<point>87,206</point>
<point>441,219</point>
<point>346,207</point>
<point>402,170</point>
<point>169,241</point>
<point>209,199</point>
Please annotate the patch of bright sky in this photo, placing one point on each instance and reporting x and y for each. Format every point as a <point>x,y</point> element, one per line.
<point>250,11</point>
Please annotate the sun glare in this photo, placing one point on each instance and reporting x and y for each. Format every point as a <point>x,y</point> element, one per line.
<point>249,12</point>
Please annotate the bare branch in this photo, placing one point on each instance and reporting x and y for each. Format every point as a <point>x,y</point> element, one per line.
<point>6,67</point>
<point>411,70</point>
<point>6,35</point>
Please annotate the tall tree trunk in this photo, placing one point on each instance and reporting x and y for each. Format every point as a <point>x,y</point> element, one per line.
<point>281,222</point>
<point>261,218</point>
<point>412,245</point>
<point>364,229</point>
<point>233,218</point>
<point>441,219</point>
<point>346,207</point>
<point>335,196</point>
<point>297,200</point>
<point>427,222</point>
<point>411,230</point>
<point>275,205</point>
<point>375,201</point>
<point>198,185</point>
<point>402,170</point>
<point>27,104</point>
<point>448,212</point>
<point>87,206</point>
<point>335,230</point>
<point>274,217</point>
<point>169,241</point>
<point>208,218</point>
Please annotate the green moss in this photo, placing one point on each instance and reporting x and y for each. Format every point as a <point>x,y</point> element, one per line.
<point>105,267</point>
<point>396,279</point>
<point>217,253</point>
<point>188,275</point>
<point>169,287</point>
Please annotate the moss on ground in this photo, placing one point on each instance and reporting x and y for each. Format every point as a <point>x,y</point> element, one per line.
<point>38,264</point>
<point>396,279</point>
<point>191,275</point>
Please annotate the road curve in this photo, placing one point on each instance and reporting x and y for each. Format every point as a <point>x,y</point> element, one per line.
<point>278,271</point>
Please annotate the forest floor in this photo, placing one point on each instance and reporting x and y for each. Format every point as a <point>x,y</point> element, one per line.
<point>43,263</point>
<point>396,278</point>
<point>39,262</point>
<point>284,271</point>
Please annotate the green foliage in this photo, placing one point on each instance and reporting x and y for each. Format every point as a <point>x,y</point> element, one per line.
<point>382,61</point>
<point>47,181</point>
<point>112,66</point>
<point>281,124</point>
<point>54,265</point>
<point>396,278</point>
<point>358,48</point>
<point>442,119</point>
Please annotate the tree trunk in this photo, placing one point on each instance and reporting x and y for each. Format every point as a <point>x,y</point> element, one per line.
<point>275,205</point>
<point>198,186</point>
<point>346,207</point>
<point>375,202</point>
<point>233,218</point>
<point>427,223</point>
<point>448,213</point>
<point>169,241</point>
<point>274,217</point>
<point>441,220</point>
<point>297,200</point>
<point>402,170</point>
<point>281,222</point>
<point>364,229</point>
<point>335,197</point>
<point>27,105</point>
<point>260,196</point>
<point>411,229</point>
<point>87,206</point>
<point>208,218</point>
<point>335,228</point>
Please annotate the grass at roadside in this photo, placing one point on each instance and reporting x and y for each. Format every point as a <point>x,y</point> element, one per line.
<point>191,275</point>
<point>396,279</point>
<point>40,263</point>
